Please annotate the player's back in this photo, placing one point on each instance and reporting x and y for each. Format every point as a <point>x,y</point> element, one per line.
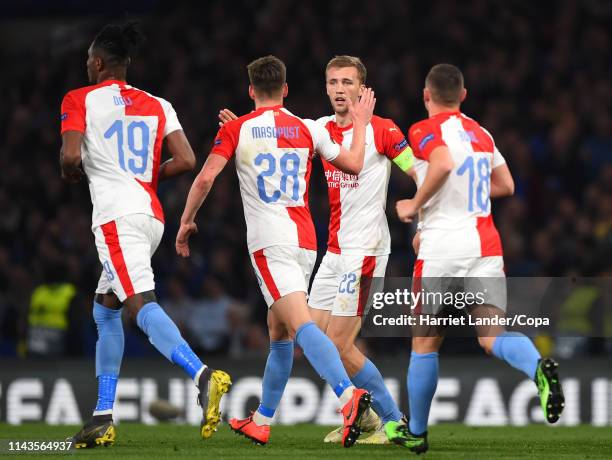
<point>457,220</point>
<point>273,149</point>
<point>123,130</point>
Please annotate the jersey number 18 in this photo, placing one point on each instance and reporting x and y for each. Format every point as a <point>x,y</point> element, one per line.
<point>482,186</point>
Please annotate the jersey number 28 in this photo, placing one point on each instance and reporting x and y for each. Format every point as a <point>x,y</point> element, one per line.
<point>282,173</point>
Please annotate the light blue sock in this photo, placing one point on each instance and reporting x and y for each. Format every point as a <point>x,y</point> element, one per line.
<point>165,336</point>
<point>323,356</point>
<point>276,375</point>
<point>107,386</point>
<point>109,347</point>
<point>370,379</point>
<point>422,383</point>
<point>518,351</point>
<point>109,353</point>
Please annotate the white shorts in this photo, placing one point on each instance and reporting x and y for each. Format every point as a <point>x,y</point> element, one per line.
<point>482,276</point>
<point>125,247</point>
<point>343,283</point>
<point>281,270</point>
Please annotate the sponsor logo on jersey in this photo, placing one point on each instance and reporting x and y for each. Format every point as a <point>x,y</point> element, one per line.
<point>275,132</point>
<point>339,179</point>
<point>64,116</point>
<point>401,146</point>
<point>426,139</point>
<point>120,100</point>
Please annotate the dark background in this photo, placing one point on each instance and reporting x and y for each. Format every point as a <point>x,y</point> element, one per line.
<point>538,78</point>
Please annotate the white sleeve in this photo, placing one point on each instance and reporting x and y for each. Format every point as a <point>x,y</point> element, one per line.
<point>322,141</point>
<point>172,122</point>
<point>498,158</point>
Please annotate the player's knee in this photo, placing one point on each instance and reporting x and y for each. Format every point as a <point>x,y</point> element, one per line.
<point>423,345</point>
<point>278,332</point>
<point>135,302</point>
<point>109,300</point>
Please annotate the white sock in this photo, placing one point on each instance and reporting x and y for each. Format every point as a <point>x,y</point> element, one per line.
<point>103,412</point>
<point>196,379</point>
<point>346,395</point>
<point>261,419</point>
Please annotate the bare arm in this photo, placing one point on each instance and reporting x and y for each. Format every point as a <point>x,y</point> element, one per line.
<point>197,194</point>
<point>440,166</point>
<point>70,156</point>
<point>351,161</point>
<point>182,161</point>
<point>502,183</point>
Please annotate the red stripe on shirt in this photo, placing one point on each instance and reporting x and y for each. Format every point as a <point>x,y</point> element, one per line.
<point>145,105</point>
<point>335,210</point>
<point>262,266</point>
<point>111,239</point>
<point>367,272</point>
<point>490,242</point>
<point>333,193</point>
<point>300,215</point>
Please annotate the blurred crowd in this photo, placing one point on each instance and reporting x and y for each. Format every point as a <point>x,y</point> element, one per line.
<point>538,78</point>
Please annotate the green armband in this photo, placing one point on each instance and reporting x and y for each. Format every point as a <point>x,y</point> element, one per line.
<point>405,160</point>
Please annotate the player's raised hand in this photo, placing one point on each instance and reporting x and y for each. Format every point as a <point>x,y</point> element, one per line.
<point>226,115</point>
<point>406,210</point>
<point>363,109</point>
<point>182,238</point>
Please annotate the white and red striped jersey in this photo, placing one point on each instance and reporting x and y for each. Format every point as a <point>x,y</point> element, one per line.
<point>274,151</point>
<point>358,223</point>
<point>457,220</point>
<point>123,130</point>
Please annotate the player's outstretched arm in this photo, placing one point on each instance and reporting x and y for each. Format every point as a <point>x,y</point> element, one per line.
<point>70,156</point>
<point>351,161</point>
<point>502,183</point>
<point>183,159</point>
<point>440,166</point>
<point>200,188</point>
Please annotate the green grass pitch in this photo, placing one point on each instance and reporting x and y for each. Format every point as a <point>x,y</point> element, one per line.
<point>136,441</point>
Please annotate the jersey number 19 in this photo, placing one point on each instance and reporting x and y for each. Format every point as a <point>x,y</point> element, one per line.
<point>137,133</point>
